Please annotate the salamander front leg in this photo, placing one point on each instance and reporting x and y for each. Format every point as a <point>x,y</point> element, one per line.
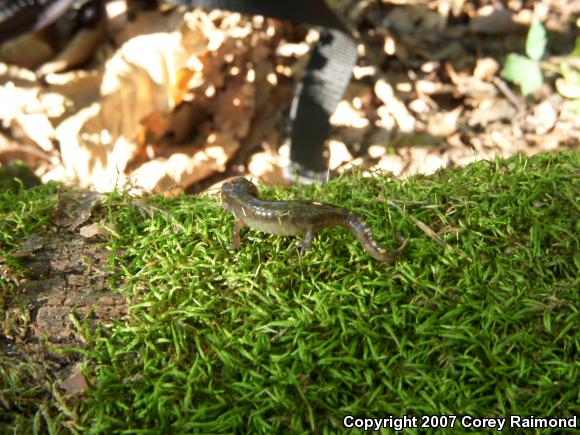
<point>238,225</point>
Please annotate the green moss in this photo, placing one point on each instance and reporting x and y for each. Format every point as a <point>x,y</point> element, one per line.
<point>21,212</point>
<point>262,340</point>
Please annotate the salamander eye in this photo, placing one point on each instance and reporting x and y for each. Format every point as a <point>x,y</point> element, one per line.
<point>251,188</point>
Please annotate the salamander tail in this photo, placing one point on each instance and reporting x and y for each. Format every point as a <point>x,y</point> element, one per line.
<point>363,232</point>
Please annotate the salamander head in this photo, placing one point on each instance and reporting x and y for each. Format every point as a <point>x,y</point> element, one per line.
<point>237,188</point>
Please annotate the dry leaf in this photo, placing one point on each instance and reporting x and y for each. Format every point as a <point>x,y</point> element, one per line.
<point>267,166</point>
<point>486,68</point>
<point>444,123</point>
<point>187,166</point>
<point>94,229</point>
<point>543,117</point>
<point>339,154</point>
<point>491,110</point>
<point>75,383</point>
<point>393,106</point>
<point>75,207</point>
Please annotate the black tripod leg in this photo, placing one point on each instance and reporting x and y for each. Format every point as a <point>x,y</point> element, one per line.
<point>325,79</point>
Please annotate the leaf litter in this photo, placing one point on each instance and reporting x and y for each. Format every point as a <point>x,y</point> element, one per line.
<point>179,97</point>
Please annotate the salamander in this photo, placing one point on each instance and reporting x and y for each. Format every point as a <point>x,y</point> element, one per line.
<point>285,218</point>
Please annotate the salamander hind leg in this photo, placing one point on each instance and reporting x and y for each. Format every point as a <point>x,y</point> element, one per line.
<point>306,243</point>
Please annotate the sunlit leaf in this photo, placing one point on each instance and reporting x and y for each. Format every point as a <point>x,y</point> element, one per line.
<point>536,41</point>
<point>522,71</point>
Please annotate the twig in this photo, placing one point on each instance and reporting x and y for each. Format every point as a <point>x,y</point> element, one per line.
<point>422,226</point>
<point>504,88</point>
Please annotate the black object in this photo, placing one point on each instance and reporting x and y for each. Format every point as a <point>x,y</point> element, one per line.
<point>22,16</point>
<point>325,78</point>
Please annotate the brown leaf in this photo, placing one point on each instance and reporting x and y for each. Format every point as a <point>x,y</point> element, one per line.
<point>74,207</point>
<point>186,165</point>
<point>444,123</point>
<point>75,383</point>
<point>486,68</point>
<point>92,230</point>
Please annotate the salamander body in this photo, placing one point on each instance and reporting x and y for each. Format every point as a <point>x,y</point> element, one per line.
<point>285,218</point>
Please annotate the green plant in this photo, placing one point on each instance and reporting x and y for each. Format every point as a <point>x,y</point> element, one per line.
<point>525,71</point>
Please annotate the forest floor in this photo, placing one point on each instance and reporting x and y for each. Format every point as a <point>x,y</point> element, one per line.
<point>180,101</point>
